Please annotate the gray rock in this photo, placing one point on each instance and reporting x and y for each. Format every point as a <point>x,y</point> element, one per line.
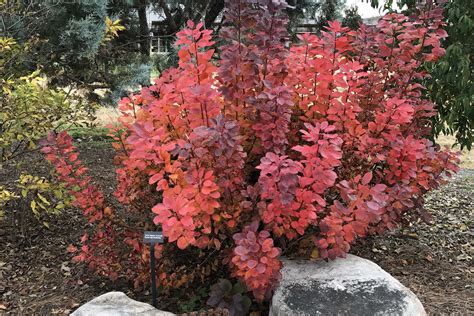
<point>351,286</point>
<point>117,304</point>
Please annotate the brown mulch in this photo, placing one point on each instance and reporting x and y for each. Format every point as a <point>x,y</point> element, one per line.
<point>435,262</point>
<point>36,272</point>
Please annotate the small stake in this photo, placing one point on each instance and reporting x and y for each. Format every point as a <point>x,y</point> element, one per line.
<point>153,274</point>
<point>152,238</point>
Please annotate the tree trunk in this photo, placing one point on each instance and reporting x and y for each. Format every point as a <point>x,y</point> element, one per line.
<point>144,32</point>
<point>172,27</point>
<point>216,8</point>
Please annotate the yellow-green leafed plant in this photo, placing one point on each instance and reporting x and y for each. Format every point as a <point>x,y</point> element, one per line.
<point>5,196</point>
<point>29,108</point>
<point>43,195</point>
<point>112,27</point>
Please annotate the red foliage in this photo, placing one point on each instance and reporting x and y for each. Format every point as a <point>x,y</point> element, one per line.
<point>326,139</point>
<point>60,151</point>
<point>255,260</point>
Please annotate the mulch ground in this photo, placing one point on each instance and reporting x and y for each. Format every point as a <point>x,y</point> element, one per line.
<point>435,262</point>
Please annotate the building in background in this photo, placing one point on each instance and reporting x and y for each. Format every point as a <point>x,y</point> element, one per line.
<point>160,43</point>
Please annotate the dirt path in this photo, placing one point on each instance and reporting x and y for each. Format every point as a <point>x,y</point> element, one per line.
<point>36,275</point>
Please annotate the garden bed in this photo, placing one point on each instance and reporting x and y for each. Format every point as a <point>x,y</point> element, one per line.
<point>37,275</point>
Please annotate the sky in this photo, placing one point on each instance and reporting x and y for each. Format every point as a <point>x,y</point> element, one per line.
<point>365,10</point>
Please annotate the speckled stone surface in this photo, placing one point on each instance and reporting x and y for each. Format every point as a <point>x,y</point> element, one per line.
<point>351,286</point>
<point>117,304</point>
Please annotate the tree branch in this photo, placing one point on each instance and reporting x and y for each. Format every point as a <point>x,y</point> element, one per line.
<point>169,17</point>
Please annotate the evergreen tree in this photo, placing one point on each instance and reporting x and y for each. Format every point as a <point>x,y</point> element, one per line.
<point>352,19</point>
<point>69,42</point>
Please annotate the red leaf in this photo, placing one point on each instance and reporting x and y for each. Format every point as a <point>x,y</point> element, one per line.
<point>182,243</point>
<point>252,264</point>
<point>366,178</point>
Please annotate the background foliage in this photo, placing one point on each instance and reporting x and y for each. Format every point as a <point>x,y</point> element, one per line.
<point>68,41</point>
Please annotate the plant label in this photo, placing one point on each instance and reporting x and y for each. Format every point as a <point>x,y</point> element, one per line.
<point>153,237</point>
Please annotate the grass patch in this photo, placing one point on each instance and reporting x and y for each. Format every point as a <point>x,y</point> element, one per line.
<point>467,157</point>
<point>106,115</point>
<point>95,137</point>
<point>89,133</point>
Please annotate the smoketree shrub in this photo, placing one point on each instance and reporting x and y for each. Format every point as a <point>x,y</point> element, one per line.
<point>308,147</point>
